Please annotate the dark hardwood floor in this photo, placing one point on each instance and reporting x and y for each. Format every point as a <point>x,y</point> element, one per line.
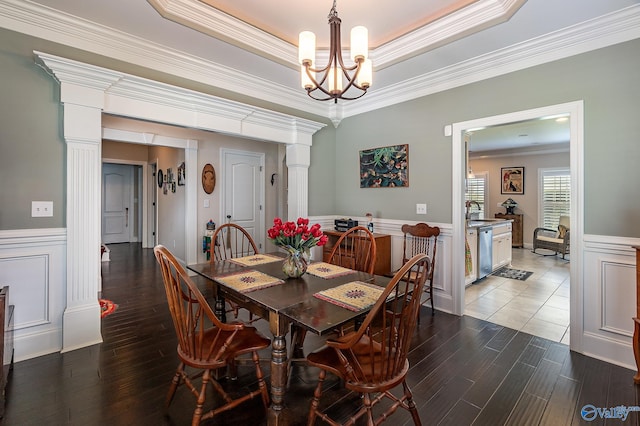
<point>463,371</point>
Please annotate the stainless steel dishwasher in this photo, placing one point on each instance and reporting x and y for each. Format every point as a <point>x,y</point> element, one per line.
<point>485,251</point>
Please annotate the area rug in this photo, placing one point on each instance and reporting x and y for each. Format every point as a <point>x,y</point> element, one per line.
<point>107,307</point>
<point>514,274</point>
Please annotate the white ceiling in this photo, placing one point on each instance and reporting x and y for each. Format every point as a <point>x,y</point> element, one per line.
<point>285,19</point>
<point>417,47</point>
<point>548,134</point>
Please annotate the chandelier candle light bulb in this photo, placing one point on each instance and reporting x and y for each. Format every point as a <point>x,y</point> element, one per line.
<point>358,75</point>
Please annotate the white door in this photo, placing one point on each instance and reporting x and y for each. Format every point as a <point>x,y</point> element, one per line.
<point>117,203</point>
<point>244,192</point>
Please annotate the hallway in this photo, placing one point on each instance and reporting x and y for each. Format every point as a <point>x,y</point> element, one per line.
<point>538,306</point>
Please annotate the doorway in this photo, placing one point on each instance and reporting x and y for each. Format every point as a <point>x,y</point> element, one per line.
<point>121,210</point>
<point>574,110</point>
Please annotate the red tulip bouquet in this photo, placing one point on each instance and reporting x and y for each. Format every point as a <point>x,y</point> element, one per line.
<point>298,239</point>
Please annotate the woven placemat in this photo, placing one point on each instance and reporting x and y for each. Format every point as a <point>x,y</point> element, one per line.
<point>355,295</point>
<point>246,281</point>
<point>255,259</point>
<point>327,270</point>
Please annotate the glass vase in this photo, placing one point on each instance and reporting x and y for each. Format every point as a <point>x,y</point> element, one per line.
<point>296,262</point>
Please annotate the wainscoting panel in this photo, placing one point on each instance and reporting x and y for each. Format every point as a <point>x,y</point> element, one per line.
<point>609,294</point>
<point>28,281</point>
<point>33,265</point>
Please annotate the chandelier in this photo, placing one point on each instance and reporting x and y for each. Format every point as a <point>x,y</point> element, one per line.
<point>330,84</point>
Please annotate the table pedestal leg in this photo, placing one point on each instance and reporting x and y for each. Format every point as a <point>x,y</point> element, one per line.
<point>279,369</point>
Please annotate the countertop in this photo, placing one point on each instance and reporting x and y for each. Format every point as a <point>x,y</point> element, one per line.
<point>478,223</point>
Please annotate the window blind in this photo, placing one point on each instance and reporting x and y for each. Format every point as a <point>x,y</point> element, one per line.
<point>476,192</point>
<point>556,196</point>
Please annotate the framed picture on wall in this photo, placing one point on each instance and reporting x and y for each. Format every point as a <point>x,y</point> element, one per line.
<point>385,167</point>
<point>512,180</point>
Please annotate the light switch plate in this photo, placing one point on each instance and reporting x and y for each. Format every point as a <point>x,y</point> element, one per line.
<point>421,209</point>
<point>41,208</point>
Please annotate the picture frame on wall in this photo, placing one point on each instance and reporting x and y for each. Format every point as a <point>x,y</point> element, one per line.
<point>512,180</point>
<point>385,167</point>
<point>181,174</point>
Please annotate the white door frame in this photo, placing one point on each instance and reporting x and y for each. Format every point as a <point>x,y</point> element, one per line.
<point>576,144</point>
<point>151,217</point>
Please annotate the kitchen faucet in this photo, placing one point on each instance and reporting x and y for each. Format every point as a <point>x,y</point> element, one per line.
<point>468,207</point>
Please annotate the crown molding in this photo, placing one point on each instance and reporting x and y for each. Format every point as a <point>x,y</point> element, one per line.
<point>209,20</point>
<point>49,24</point>
<point>461,23</point>
<point>607,30</point>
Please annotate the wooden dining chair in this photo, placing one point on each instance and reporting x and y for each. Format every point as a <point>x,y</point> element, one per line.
<point>421,238</point>
<point>204,342</point>
<point>355,249</point>
<point>230,241</point>
<point>372,360</point>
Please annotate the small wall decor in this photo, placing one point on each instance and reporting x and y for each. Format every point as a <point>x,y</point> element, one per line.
<point>181,174</point>
<point>208,178</point>
<point>384,167</point>
<point>160,178</point>
<point>512,181</point>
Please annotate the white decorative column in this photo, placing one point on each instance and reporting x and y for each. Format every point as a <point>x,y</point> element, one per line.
<point>81,319</point>
<point>298,161</point>
<point>82,93</point>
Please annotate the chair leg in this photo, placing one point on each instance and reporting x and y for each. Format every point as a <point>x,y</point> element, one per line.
<point>174,385</point>
<point>232,369</point>
<point>433,310</point>
<point>197,414</point>
<point>261,384</point>
<point>316,399</point>
<point>411,405</point>
<point>366,402</point>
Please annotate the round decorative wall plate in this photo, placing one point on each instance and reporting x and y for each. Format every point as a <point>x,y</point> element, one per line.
<point>208,178</point>
<point>160,178</point>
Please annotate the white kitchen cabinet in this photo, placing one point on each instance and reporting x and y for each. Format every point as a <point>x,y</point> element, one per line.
<point>501,246</point>
<point>472,239</point>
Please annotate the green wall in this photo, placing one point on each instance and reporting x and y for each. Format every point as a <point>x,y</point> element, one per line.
<point>32,160</point>
<point>607,81</point>
<point>32,150</point>
<point>322,173</point>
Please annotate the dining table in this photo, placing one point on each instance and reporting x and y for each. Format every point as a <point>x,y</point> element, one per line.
<point>320,301</point>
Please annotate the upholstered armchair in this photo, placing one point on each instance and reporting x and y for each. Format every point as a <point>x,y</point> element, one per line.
<point>557,241</point>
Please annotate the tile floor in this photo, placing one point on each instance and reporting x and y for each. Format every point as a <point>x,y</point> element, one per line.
<point>538,305</point>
